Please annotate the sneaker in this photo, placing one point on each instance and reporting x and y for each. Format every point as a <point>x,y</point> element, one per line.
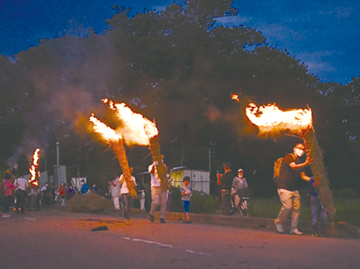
<point>314,235</point>
<point>152,218</point>
<point>187,221</point>
<point>279,227</point>
<point>296,231</point>
<point>6,216</point>
<point>162,221</point>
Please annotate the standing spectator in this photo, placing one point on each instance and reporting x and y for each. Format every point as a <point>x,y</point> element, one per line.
<point>115,192</point>
<point>21,184</point>
<point>95,189</point>
<point>84,187</point>
<point>186,193</point>
<point>169,193</point>
<point>45,194</point>
<point>316,207</point>
<point>239,189</point>
<point>70,192</point>
<point>225,180</point>
<point>8,188</point>
<point>158,194</point>
<point>62,193</point>
<point>124,192</point>
<point>287,187</point>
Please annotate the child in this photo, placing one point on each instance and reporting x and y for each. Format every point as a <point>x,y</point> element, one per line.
<point>186,193</point>
<point>316,207</point>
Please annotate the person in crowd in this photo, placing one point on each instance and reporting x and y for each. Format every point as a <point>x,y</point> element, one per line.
<point>169,193</point>
<point>95,189</point>
<point>186,193</point>
<point>8,188</point>
<point>62,193</point>
<point>225,180</point>
<point>115,191</point>
<point>239,188</point>
<point>317,208</point>
<point>158,194</point>
<point>292,171</point>
<point>84,187</point>
<point>125,197</point>
<point>70,192</point>
<point>21,185</point>
<point>45,191</point>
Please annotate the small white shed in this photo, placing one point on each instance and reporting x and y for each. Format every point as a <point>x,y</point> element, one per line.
<point>199,179</point>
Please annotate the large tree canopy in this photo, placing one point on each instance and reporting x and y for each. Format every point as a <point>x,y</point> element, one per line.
<point>176,67</point>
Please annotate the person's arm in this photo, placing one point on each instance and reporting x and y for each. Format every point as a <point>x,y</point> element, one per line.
<point>304,176</point>
<point>296,166</point>
<point>218,178</point>
<point>317,181</point>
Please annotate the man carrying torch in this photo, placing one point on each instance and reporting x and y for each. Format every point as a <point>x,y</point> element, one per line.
<point>287,187</point>
<point>158,189</point>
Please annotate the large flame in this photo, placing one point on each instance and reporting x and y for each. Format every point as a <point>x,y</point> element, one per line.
<point>33,168</point>
<point>270,118</point>
<point>106,132</point>
<point>136,128</point>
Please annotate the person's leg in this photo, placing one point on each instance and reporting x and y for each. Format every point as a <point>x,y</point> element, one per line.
<point>286,202</point>
<point>295,212</point>
<point>323,218</point>
<point>6,204</point>
<point>116,202</point>
<point>155,202</point>
<point>17,204</point>
<point>163,195</point>
<point>22,198</point>
<point>125,201</point>
<point>314,213</point>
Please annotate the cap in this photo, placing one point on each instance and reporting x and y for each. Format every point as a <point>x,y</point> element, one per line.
<point>240,170</point>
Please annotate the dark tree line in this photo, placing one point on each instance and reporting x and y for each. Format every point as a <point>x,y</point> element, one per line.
<point>175,67</point>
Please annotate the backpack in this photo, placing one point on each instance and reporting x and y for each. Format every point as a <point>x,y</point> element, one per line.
<point>277,168</point>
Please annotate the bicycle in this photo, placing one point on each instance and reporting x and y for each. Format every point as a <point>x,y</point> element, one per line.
<point>239,205</point>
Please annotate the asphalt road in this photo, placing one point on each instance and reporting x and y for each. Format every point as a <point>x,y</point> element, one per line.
<point>57,239</point>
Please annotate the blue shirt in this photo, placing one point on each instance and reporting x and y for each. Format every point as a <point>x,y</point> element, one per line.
<point>313,190</point>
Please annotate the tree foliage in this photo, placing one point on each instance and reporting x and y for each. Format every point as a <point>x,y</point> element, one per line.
<point>176,67</point>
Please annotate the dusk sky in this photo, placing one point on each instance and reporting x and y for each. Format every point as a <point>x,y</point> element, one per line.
<point>322,34</point>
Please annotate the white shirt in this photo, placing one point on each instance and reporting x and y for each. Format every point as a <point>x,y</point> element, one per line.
<point>124,189</point>
<point>115,190</point>
<point>23,183</point>
<point>155,179</point>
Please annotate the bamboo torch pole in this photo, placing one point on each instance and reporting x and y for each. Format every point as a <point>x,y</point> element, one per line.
<point>120,152</point>
<point>161,167</point>
<point>318,169</point>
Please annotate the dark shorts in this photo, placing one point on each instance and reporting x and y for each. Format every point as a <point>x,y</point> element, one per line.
<point>186,205</point>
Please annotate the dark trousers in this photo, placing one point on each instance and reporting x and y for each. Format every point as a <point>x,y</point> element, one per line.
<point>6,203</point>
<point>125,202</point>
<point>225,202</point>
<point>20,200</point>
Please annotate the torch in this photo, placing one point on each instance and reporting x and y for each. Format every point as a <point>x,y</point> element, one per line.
<point>34,173</point>
<point>271,120</point>
<point>141,131</point>
<point>116,142</point>
<point>157,157</point>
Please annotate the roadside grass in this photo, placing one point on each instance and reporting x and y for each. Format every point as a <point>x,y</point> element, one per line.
<point>347,209</point>
<point>347,204</point>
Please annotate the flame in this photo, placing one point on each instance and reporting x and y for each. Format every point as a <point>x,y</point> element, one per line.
<point>33,169</point>
<point>235,97</point>
<point>270,118</point>
<point>106,132</point>
<point>136,128</point>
